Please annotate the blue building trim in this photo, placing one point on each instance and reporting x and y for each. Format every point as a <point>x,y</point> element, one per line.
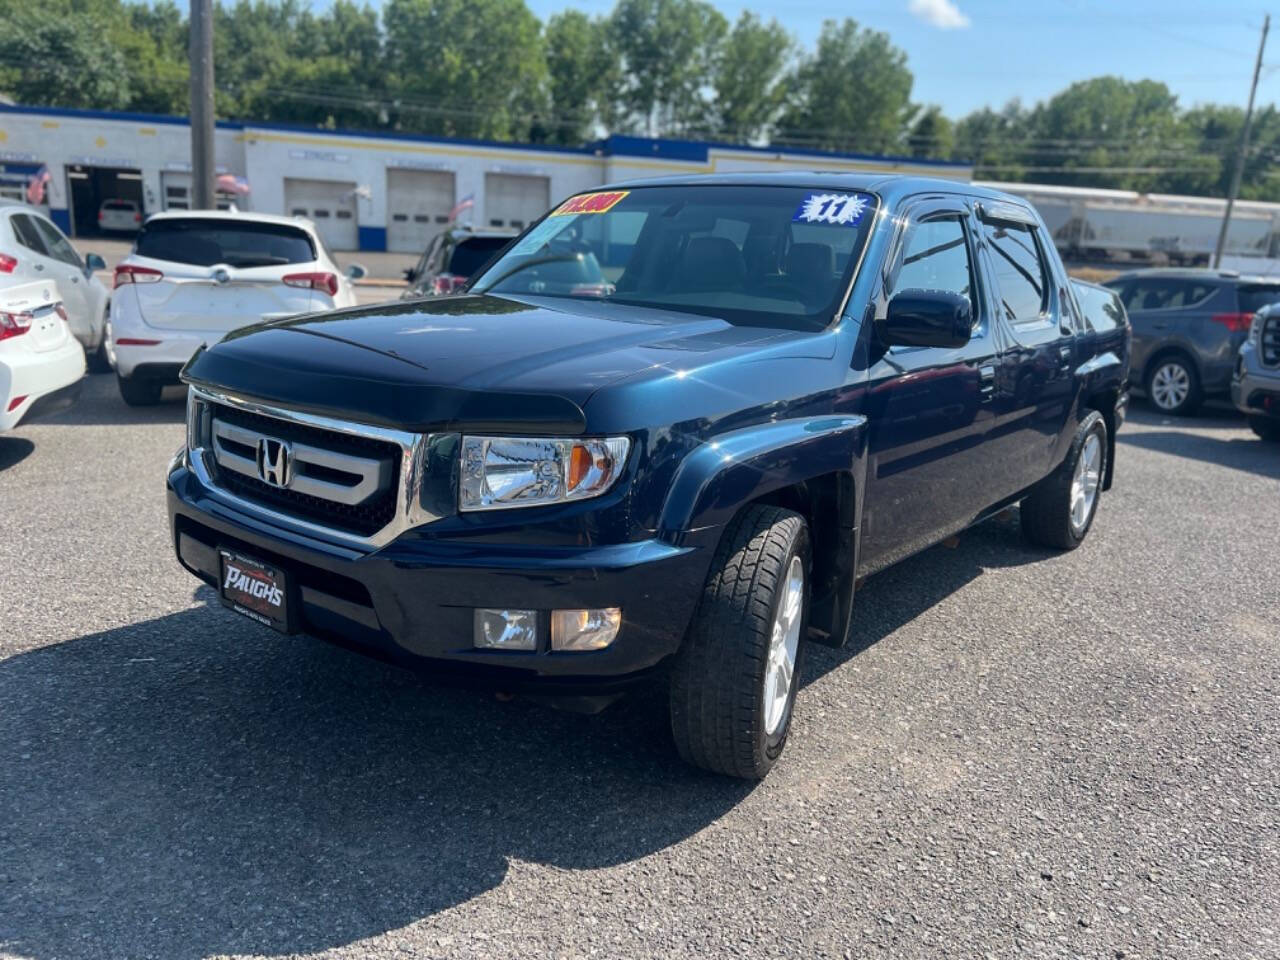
<point>61,218</point>
<point>159,118</point>
<point>371,238</point>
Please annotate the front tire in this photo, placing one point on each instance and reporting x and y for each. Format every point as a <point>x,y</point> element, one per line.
<point>1060,510</point>
<point>1266,428</point>
<point>1173,385</point>
<point>733,685</point>
<point>139,393</point>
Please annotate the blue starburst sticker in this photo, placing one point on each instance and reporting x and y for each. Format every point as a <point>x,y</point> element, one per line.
<point>838,209</point>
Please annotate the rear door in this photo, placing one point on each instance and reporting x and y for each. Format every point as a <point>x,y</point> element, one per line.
<point>217,275</point>
<point>69,273</point>
<point>929,408</point>
<point>1036,380</point>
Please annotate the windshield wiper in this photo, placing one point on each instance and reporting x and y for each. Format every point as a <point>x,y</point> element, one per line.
<point>535,262</point>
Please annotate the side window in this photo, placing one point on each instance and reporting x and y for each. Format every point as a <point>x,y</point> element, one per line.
<point>1019,270</point>
<point>59,247</point>
<point>1155,293</point>
<point>936,257</point>
<point>1101,307</point>
<point>27,235</point>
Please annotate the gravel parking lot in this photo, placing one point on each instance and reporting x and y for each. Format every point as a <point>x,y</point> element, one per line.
<point>1023,754</point>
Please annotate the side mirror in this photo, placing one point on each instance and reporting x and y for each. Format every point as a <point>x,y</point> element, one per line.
<point>356,271</point>
<point>927,318</point>
<point>93,262</point>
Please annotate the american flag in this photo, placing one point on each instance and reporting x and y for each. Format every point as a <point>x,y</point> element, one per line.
<point>35,189</point>
<point>230,183</point>
<point>466,203</point>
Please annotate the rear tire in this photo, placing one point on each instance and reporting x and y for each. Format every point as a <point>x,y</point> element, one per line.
<point>139,393</point>
<point>1173,385</point>
<point>729,711</point>
<point>1060,509</point>
<point>1267,428</point>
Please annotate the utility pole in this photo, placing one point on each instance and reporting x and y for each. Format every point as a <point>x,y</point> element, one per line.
<point>202,169</point>
<point>1244,148</point>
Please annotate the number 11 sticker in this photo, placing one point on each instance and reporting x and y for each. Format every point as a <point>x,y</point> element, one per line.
<point>839,209</point>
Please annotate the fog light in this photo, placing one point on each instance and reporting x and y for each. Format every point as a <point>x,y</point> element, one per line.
<point>584,629</point>
<point>506,629</point>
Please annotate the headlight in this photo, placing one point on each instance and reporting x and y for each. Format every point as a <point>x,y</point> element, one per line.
<point>503,472</point>
<point>1255,330</point>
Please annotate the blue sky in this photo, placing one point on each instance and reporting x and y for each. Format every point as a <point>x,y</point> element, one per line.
<point>970,53</point>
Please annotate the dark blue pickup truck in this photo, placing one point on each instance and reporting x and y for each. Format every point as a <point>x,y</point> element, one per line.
<point>663,434</point>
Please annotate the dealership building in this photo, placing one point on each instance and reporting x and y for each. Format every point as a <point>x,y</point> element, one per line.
<point>364,191</point>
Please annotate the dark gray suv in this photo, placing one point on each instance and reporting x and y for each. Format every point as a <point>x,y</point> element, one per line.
<point>1188,326</point>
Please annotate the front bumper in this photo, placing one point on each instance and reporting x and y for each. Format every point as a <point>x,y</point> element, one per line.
<point>1255,389</point>
<point>413,600</point>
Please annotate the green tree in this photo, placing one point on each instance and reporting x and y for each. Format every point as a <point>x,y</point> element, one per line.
<point>466,67</point>
<point>751,78</point>
<point>580,72</point>
<point>60,60</point>
<point>853,93</point>
<point>667,51</point>
<point>994,141</point>
<point>932,135</point>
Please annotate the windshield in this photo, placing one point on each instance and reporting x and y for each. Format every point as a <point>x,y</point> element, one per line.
<point>766,255</point>
<point>473,253</point>
<point>202,243</point>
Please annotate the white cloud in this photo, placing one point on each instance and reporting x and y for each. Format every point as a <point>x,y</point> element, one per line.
<point>942,14</point>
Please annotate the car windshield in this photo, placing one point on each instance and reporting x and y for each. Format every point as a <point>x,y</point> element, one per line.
<point>765,255</point>
<point>204,242</point>
<point>473,253</point>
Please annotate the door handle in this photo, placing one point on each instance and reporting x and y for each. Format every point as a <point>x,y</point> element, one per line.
<point>39,266</point>
<point>1064,355</point>
<point>986,381</point>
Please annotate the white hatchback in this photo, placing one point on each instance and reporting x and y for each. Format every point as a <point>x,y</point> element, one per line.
<point>193,277</point>
<point>41,363</point>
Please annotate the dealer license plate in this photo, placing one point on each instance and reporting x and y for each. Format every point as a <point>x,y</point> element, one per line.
<point>255,589</point>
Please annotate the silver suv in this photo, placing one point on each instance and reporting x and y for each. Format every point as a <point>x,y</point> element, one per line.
<point>1255,385</point>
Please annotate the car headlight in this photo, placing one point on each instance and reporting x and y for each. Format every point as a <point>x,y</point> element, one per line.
<point>503,472</point>
<point>1255,329</point>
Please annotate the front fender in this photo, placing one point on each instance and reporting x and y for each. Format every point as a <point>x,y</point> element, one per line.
<point>735,468</point>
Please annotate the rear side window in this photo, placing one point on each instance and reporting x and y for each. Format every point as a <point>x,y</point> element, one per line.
<point>1019,270</point>
<point>1165,293</point>
<point>1102,308</point>
<point>936,257</point>
<point>204,242</point>
<point>472,254</point>
<point>25,230</point>
<point>1253,297</point>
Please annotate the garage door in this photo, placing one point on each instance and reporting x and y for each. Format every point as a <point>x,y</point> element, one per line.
<point>418,205</point>
<point>331,204</point>
<point>514,201</point>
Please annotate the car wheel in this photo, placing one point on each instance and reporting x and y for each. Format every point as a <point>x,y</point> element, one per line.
<point>1174,386</point>
<point>733,684</point>
<point>1265,427</point>
<point>140,393</point>
<point>1060,510</point>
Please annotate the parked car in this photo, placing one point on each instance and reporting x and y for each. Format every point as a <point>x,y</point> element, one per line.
<point>119,216</point>
<point>1255,387</point>
<point>451,258</point>
<point>33,248</point>
<point>1187,329</point>
<point>192,278</point>
<point>794,381</point>
<point>41,363</point>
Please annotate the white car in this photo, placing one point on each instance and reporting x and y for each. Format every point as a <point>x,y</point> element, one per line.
<point>33,248</point>
<point>41,363</point>
<point>119,216</point>
<point>193,277</point>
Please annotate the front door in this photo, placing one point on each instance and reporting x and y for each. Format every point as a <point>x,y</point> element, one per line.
<point>929,408</point>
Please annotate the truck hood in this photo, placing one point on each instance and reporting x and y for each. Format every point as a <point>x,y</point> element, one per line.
<point>480,361</point>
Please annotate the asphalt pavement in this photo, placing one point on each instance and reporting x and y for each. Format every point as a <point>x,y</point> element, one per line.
<point>1023,753</point>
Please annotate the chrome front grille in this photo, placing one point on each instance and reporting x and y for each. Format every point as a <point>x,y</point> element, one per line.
<point>1269,339</point>
<point>351,482</point>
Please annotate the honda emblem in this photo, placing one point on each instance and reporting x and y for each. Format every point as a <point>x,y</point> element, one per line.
<point>275,460</point>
